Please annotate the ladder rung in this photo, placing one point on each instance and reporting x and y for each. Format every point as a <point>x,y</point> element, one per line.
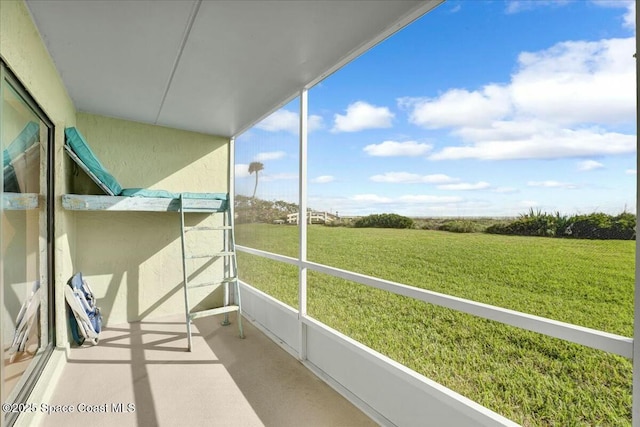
<point>217,254</point>
<point>213,311</point>
<point>203,228</point>
<point>215,282</point>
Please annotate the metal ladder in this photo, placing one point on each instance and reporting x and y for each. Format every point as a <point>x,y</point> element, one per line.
<point>230,266</point>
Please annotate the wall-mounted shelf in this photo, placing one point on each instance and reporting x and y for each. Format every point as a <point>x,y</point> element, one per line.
<point>78,202</point>
<point>19,201</point>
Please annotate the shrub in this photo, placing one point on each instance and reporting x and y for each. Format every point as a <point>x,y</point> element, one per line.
<point>460,226</point>
<point>533,223</point>
<point>342,222</point>
<point>498,229</point>
<point>427,223</point>
<point>384,221</point>
<point>625,225</point>
<point>602,226</point>
<point>591,226</point>
<point>562,224</point>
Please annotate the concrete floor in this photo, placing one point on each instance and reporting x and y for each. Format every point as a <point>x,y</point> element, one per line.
<point>224,381</point>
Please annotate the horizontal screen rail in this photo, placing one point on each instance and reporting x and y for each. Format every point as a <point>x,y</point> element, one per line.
<point>617,344</point>
<point>269,255</point>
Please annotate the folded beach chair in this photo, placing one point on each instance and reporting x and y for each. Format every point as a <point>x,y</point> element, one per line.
<point>85,319</point>
<point>24,322</point>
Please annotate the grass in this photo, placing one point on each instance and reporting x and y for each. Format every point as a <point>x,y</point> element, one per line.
<point>531,379</point>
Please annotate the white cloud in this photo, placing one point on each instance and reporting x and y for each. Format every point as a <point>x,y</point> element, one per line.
<point>589,165</point>
<point>323,179</point>
<point>269,155</point>
<point>412,178</point>
<point>560,102</point>
<point>551,184</point>
<point>371,198</point>
<point>629,18</point>
<point>429,199</point>
<point>361,115</point>
<point>529,203</point>
<point>505,190</point>
<point>631,172</point>
<point>415,200</point>
<point>289,121</point>
<point>413,205</point>
<point>459,107</point>
<point>550,144</point>
<point>465,186</point>
<point>241,170</point>
<point>517,6</point>
<point>393,148</point>
<point>577,82</point>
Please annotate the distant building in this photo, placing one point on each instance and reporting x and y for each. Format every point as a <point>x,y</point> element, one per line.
<point>313,217</point>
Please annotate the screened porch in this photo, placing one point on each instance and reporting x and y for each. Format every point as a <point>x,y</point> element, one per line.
<point>218,97</point>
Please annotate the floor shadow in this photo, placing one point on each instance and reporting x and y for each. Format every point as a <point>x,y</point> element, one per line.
<point>133,340</point>
<point>224,381</point>
<point>269,378</point>
<point>139,346</point>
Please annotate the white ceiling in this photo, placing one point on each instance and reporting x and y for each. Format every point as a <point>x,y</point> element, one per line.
<point>216,67</point>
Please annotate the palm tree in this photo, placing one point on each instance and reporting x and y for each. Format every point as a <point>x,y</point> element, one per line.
<point>255,167</point>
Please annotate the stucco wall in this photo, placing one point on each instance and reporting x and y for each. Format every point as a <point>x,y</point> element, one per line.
<point>132,260</point>
<point>23,51</point>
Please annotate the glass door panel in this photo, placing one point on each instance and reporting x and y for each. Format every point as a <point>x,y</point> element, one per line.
<point>25,138</point>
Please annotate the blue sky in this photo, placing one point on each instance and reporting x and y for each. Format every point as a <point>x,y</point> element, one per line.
<point>479,108</point>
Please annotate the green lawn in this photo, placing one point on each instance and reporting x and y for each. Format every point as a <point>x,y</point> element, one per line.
<point>531,379</point>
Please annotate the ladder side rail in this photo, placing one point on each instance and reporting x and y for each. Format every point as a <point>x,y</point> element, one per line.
<point>233,267</point>
<point>227,262</point>
<point>185,275</point>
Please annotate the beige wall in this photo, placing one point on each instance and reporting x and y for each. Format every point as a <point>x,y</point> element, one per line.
<point>132,260</point>
<point>24,52</point>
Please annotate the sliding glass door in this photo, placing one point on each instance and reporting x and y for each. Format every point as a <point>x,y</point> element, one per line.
<point>27,312</point>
